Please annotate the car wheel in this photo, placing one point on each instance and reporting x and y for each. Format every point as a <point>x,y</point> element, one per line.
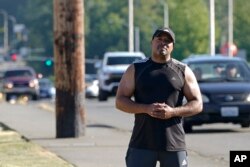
<point>7,97</point>
<point>35,97</point>
<point>245,124</point>
<point>103,95</point>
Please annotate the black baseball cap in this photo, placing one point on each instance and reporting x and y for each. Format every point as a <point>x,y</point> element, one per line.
<point>166,30</point>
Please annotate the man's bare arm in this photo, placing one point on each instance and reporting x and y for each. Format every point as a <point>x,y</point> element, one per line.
<point>125,92</point>
<point>192,93</point>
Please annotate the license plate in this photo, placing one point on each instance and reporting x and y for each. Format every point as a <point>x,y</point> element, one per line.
<point>229,111</point>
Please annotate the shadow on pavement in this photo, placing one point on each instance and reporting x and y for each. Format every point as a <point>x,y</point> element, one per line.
<point>224,130</point>
<point>100,126</point>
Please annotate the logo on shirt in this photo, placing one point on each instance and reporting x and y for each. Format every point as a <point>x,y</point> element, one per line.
<point>173,79</point>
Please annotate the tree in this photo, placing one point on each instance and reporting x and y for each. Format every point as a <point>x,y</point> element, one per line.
<point>148,17</point>
<point>106,24</point>
<point>38,18</point>
<point>190,21</point>
<point>241,25</point>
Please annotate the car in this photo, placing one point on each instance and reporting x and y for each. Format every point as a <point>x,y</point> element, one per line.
<point>19,81</point>
<point>46,88</point>
<point>1,84</point>
<point>226,98</point>
<point>111,69</point>
<point>1,59</point>
<point>91,88</point>
<point>91,81</point>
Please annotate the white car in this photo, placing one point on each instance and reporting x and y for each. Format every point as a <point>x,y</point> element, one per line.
<point>92,88</point>
<point>110,72</point>
<point>46,88</point>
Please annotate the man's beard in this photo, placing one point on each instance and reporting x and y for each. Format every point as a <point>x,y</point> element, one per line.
<point>163,52</point>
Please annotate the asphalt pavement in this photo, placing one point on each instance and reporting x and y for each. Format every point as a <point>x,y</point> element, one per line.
<point>101,146</point>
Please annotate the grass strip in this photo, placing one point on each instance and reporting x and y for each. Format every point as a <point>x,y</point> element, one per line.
<point>17,152</point>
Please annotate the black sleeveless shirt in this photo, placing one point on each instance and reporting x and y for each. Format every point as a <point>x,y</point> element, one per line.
<point>158,82</point>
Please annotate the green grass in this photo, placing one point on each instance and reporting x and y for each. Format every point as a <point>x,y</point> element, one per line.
<point>17,152</point>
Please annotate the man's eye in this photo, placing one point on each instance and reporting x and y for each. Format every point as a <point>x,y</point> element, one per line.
<point>167,41</point>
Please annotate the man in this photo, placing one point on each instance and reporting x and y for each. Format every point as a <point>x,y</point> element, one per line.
<point>231,71</point>
<point>158,85</point>
<point>218,70</point>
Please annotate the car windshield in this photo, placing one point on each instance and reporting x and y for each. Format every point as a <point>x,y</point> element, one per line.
<point>122,60</point>
<point>221,71</point>
<point>18,73</point>
<point>90,68</point>
<point>45,83</point>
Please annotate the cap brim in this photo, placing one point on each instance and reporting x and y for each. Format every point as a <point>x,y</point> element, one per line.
<point>162,31</point>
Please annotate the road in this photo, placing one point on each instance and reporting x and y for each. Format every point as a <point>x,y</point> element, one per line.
<point>213,142</point>
<point>210,143</point>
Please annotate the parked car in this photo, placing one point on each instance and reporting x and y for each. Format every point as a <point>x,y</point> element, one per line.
<point>92,88</point>
<point>1,59</point>
<point>19,81</point>
<point>226,98</point>
<point>111,69</point>
<point>46,88</point>
<point>1,85</point>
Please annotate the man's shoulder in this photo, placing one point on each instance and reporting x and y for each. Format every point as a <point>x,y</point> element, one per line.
<point>179,64</point>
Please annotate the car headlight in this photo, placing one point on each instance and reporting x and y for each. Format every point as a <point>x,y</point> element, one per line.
<point>248,98</point>
<point>8,85</point>
<point>205,99</point>
<point>33,83</point>
<point>53,90</point>
<point>95,82</point>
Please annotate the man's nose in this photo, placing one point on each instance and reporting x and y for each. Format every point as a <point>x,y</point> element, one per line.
<point>164,43</point>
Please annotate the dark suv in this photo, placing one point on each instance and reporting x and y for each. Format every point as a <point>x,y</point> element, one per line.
<point>19,81</point>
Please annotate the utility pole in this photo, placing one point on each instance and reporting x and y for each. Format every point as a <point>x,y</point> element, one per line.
<point>212,28</point>
<point>69,67</point>
<point>166,13</point>
<point>230,28</point>
<point>6,31</point>
<point>13,38</point>
<point>137,39</point>
<point>131,25</point>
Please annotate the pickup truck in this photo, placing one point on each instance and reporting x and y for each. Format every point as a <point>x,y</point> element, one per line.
<point>110,72</point>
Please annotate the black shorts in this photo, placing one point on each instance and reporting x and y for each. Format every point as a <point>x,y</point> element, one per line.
<point>148,158</point>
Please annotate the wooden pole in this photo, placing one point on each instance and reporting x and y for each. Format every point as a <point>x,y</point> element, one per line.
<point>69,67</point>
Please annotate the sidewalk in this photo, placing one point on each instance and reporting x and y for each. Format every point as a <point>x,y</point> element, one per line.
<point>102,146</point>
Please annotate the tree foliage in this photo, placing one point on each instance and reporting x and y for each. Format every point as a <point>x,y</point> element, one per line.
<point>38,16</point>
<point>241,25</point>
<point>106,24</point>
<point>190,22</point>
